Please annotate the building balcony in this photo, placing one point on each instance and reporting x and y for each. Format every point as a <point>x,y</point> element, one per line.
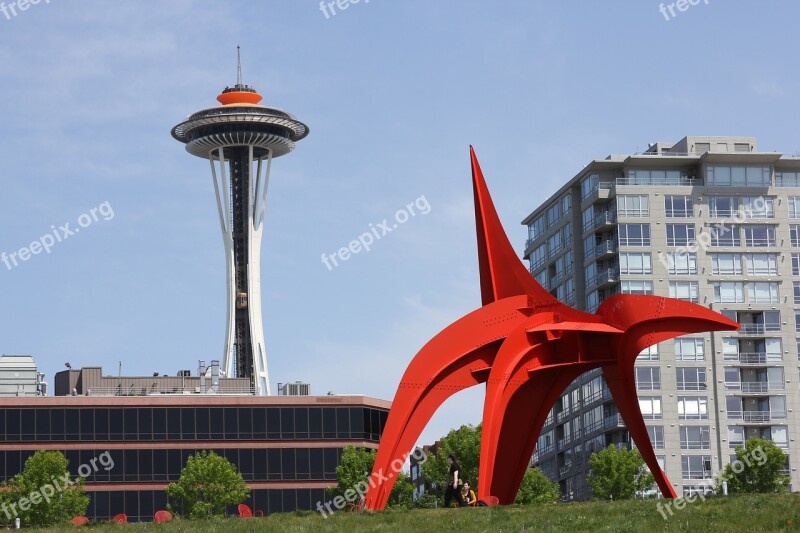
<point>750,359</point>
<point>601,279</point>
<point>600,221</point>
<point>601,191</point>
<point>613,422</point>
<point>600,251</point>
<point>755,417</point>
<point>563,470</point>
<point>755,387</point>
<point>757,330</point>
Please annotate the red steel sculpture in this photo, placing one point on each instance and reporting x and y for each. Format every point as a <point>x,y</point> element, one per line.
<point>527,347</point>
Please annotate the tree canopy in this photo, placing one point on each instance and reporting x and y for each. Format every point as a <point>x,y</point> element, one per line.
<point>537,488</point>
<point>465,443</point>
<point>757,468</point>
<point>353,476</point>
<point>207,485</point>
<point>618,473</point>
<point>43,493</point>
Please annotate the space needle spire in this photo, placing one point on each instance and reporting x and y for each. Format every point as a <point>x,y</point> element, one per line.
<point>240,138</point>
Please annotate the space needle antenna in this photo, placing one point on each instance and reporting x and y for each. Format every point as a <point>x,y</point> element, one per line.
<point>238,65</point>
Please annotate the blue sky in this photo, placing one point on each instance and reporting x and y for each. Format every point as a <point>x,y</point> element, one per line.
<point>394,93</point>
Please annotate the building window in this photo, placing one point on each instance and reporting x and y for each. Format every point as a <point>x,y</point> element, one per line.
<point>735,436</point>
<point>728,292</point>
<point>724,235</point>
<point>692,408</point>
<point>637,287</point>
<point>656,434</point>
<point>678,206</point>
<point>764,292</point>
<point>681,263</point>
<point>787,179</point>
<point>648,378</point>
<point>589,184</point>
<point>552,214</point>
<point>691,378</point>
<point>759,235</point>
<point>684,290</point>
<point>648,354</point>
<point>689,349</point>
<point>536,228</point>
<point>696,466</point>
<point>592,301</point>
<point>794,234</point>
<point>655,177</point>
<point>762,264</point>
<point>722,206</point>
<point>695,438</point>
<point>538,256</point>
<point>541,277</point>
<point>739,176</point>
<point>741,147</point>
<point>795,264</point>
<point>796,287</point>
<point>566,204</point>
<point>758,207</point>
<point>680,234</point>
<point>650,407</point>
<point>634,234</point>
<point>635,263</point>
<point>726,264</point>
<point>554,244</point>
<point>794,206</point>
<point>633,205</point>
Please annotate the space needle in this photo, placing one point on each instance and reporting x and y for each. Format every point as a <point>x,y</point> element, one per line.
<point>240,138</point>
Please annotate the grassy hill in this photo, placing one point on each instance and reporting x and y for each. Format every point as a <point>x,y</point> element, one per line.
<point>755,513</point>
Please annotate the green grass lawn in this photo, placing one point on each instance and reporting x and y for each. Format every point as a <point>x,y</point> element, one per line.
<point>732,514</point>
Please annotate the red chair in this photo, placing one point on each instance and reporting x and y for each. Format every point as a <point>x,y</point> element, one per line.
<point>122,518</point>
<point>245,511</point>
<point>259,513</point>
<point>80,520</point>
<point>490,501</point>
<point>162,516</point>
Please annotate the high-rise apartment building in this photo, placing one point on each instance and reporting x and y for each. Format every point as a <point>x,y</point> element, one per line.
<point>710,220</point>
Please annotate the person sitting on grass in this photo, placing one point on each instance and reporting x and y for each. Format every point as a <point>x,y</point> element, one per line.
<point>468,495</point>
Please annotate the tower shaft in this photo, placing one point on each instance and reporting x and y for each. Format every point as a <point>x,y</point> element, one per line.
<point>240,183</point>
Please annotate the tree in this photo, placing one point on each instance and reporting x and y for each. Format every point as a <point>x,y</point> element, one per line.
<point>618,474</point>
<point>465,443</point>
<point>353,476</point>
<point>208,484</point>
<point>757,468</point>
<point>42,494</point>
<point>537,488</point>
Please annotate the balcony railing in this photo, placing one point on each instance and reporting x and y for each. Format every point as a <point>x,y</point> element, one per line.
<point>749,358</point>
<point>158,391</point>
<point>758,329</point>
<point>606,217</point>
<point>660,181</point>
<point>609,275</point>
<point>613,421</point>
<point>752,417</point>
<point>760,387</point>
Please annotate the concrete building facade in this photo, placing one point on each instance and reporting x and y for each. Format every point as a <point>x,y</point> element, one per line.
<point>707,219</point>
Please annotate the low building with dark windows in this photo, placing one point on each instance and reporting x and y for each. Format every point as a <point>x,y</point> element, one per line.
<point>286,447</point>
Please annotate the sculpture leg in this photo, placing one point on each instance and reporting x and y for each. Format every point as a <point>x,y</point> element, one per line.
<point>622,385</point>
<point>526,412</point>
